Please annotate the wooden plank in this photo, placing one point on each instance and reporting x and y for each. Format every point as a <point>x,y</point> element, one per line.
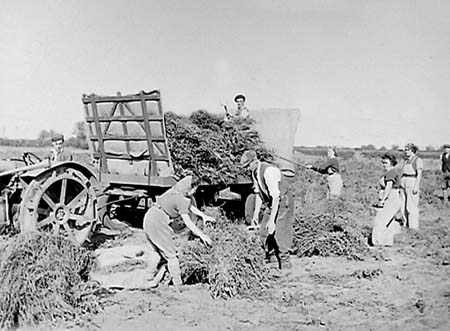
<point>163,130</point>
<point>124,118</point>
<point>99,137</point>
<point>92,148</point>
<point>147,96</point>
<point>143,181</point>
<point>108,125</point>
<point>150,139</point>
<point>130,158</point>
<point>141,124</point>
<point>126,138</point>
<point>124,125</point>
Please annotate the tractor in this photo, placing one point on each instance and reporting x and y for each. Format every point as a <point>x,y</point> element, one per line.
<point>130,166</point>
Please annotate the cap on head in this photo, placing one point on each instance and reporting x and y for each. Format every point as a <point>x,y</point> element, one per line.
<point>248,157</point>
<point>239,96</point>
<point>446,145</point>
<point>57,136</point>
<point>411,147</point>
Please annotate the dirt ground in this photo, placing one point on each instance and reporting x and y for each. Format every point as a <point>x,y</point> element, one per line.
<point>406,287</point>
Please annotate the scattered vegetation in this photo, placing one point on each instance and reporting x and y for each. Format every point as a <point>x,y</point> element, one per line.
<point>45,280</point>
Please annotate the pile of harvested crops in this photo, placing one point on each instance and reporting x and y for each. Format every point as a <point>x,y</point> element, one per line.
<point>233,266</point>
<point>329,228</point>
<point>208,146</point>
<point>44,280</point>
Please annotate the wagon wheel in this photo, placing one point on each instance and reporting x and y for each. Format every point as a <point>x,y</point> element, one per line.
<point>62,201</point>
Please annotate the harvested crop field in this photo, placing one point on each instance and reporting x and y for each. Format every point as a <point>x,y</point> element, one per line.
<point>336,283</point>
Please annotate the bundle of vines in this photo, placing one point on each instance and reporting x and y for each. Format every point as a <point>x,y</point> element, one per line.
<point>329,229</point>
<point>233,266</point>
<point>44,280</point>
<point>208,146</point>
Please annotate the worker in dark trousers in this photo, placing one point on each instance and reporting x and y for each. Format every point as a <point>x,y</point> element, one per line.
<point>272,189</point>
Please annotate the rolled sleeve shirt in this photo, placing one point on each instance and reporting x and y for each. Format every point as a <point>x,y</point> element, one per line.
<point>272,178</point>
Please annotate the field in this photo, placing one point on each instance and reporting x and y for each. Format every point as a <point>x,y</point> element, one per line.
<point>405,287</point>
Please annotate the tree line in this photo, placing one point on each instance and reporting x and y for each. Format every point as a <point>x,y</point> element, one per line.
<point>77,140</point>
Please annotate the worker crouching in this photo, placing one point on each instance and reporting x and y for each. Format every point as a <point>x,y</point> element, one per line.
<point>172,204</point>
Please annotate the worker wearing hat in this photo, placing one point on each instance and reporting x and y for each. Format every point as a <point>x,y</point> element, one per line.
<point>241,110</point>
<point>271,189</point>
<point>445,167</point>
<point>58,153</point>
<point>411,177</point>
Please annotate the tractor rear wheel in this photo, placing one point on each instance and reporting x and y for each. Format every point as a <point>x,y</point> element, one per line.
<point>62,201</point>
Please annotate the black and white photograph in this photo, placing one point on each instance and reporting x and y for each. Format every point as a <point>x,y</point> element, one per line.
<point>223,165</point>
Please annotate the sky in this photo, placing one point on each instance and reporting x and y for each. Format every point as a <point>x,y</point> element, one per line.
<point>360,71</point>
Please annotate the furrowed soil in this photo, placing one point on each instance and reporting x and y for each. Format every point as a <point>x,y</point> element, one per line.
<point>404,287</point>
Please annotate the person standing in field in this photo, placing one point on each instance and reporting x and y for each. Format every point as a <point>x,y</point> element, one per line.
<point>272,189</point>
<point>331,169</point>
<point>411,177</point>
<point>445,167</point>
<point>385,225</point>
<point>172,204</point>
<point>58,153</point>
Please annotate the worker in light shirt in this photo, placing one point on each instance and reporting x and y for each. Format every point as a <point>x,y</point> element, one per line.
<point>331,169</point>
<point>411,177</point>
<point>272,189</point>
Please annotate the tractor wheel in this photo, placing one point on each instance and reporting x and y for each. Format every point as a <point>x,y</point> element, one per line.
<point>62,201</point>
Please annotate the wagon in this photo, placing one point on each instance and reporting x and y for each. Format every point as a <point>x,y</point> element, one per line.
<point>130,166</point>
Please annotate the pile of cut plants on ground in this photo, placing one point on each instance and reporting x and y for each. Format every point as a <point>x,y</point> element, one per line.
<point>332,227</point>
<point>232,267</point>
<point>44,280</point>
<point>329,230</point>
<point>208,146</point>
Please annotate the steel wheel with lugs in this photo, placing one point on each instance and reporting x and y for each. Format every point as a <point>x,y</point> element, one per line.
<point>61,201</point>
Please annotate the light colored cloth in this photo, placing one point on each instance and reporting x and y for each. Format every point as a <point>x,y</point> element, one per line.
<point>156,226</point>
<point>161,237</point>
<point>174,203</point>
<point>334,185</point>
<point>410,203</point>
<point>272,179</point>
<point>409,199</point>
<point>184,185</point>
<point>384,225</point>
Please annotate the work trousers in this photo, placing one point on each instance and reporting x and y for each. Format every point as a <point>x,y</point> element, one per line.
<point>410,203</point>
<point>385,225</point>
<point>161,237</point>
<point>334,185</point>
<point>279,242</point>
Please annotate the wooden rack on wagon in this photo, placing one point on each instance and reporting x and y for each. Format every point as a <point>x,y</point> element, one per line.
<point>128,144</point>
